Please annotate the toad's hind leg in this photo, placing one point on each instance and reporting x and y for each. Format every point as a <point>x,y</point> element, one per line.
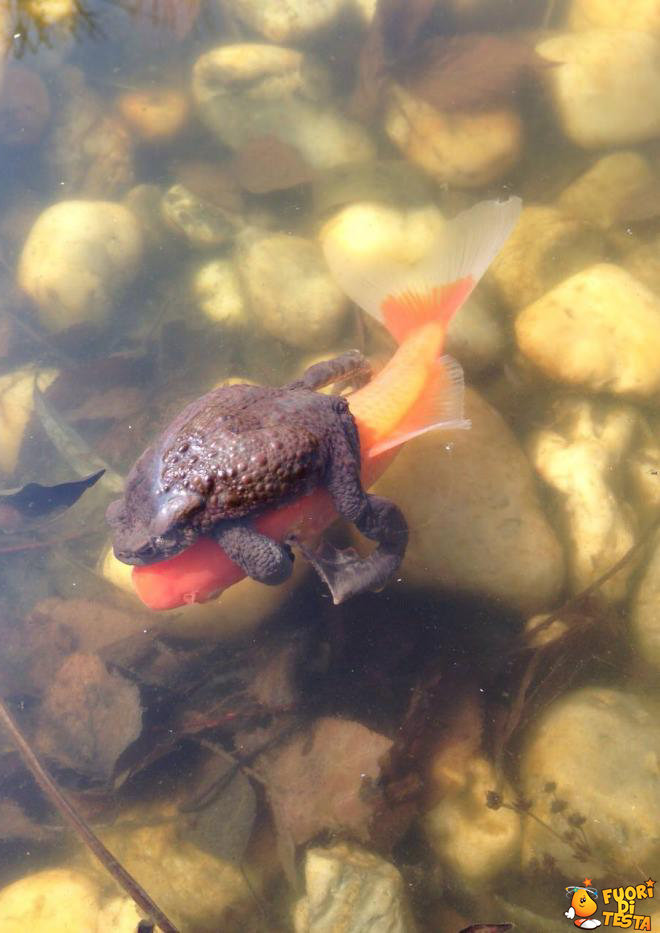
<point>344,571</point>
<point>350,365</point>
<point>261,557</point>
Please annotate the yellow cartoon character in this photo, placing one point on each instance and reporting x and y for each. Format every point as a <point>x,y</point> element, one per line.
<point>583,906</point>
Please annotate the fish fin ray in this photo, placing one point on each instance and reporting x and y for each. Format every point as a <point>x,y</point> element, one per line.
<point>434,287</point>
<point>441,407</point>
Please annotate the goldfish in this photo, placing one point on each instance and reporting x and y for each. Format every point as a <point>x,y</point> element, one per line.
<point>418,390</point>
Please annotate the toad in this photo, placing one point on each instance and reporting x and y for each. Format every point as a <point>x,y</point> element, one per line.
<point>242,450</point>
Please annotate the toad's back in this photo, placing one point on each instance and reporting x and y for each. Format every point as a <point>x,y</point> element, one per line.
<point>244,448</point>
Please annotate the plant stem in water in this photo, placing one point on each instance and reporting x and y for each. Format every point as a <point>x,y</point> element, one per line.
<point>80,825</point>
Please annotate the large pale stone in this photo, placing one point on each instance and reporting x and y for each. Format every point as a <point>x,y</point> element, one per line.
<point>600,194</point>
<point>291,292</point>
<point>250,90</point>
<point>599,329</point>
<point>605,85</point>
<point>643,15</point>
<point>286,20</point>
<point>596,751</point>
<point>475,521</point>
<point>53,901</point>
<point>546,246</point>
<point>463,149</point>
<point>219,293</point>
<point>349,890</point>
<point>77,259</point>
<point>579,455</point>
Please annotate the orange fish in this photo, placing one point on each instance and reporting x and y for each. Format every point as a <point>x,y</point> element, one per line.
<point>418,390</point>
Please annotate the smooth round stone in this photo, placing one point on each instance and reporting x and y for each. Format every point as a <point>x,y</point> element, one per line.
<point>546,246</point>
<point>219,294</point>
<point>291,292</point>
<point>51,901</point>
<point>286,20</point>
<point>599,329</point>
<point>600,195</point>
<point>250,90</point>
<point>476,525</point>
<point>463,149</point>
<point>605,85</point>
<point>596,751</point>
<point>78,258</point>
<point>642,15</point>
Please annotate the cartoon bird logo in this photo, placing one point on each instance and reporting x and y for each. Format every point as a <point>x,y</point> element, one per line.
<point>583,906</point>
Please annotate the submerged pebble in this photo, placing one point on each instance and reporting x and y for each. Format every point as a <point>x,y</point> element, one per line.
<point>77,260</point>
<point>350,890</point>
<point>577,334</point>
<point>605,85</point>
<point>292,295</point>
<point>52,901</point>
<point>286,20</point>
<point>612,737</point>
<point>546,246</point>
<point>614,184</point>
<point>463,149</point>
<point>642,15</point>
<point>219,293</point>
<point>249,90</point>
<point>579,456</point>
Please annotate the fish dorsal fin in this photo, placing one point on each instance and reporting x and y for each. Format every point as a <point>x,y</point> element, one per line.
<point>440,407</point>
<point>406,295</point>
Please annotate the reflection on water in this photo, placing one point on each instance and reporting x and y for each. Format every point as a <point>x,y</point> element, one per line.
<point>480,735</point>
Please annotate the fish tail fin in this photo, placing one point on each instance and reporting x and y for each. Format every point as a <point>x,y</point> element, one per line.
<point>439,407</point>
<point>405,296</point>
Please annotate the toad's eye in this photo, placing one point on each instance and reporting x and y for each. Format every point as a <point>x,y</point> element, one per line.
<point>175,509</point>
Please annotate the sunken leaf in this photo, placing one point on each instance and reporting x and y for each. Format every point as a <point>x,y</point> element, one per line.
<point>89,716</point>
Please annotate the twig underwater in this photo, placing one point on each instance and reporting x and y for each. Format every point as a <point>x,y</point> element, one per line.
<point>80,825</point>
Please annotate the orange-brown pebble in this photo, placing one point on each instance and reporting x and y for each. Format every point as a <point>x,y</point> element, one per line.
<point>154,114</point>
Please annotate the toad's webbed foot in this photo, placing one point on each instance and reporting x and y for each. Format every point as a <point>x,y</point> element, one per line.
<point>261,557</point>
<point>344,571</point>
<point>350,365</point>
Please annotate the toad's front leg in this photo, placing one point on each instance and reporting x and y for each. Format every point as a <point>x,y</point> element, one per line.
<point>261,557</point>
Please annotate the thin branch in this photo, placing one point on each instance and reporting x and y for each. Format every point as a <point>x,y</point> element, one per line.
<point>80,825</point>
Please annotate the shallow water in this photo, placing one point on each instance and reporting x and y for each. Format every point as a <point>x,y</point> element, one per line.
<point>486,724</point>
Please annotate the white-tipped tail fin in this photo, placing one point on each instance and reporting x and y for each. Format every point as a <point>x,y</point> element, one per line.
<point>405,296</point>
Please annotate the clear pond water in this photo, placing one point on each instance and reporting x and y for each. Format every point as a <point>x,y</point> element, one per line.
<point>478,742</point>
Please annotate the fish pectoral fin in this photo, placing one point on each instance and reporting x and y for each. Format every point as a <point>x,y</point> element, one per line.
<point>440,407</point>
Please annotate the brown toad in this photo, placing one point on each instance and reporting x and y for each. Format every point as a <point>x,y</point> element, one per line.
<point>241,450</point>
